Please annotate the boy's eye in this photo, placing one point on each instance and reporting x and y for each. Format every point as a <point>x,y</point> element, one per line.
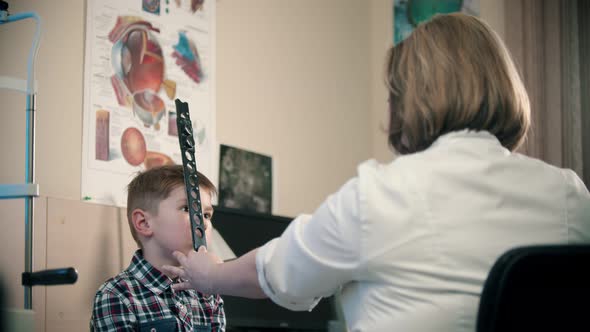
<point>185,208</point>
<point>207,215</point>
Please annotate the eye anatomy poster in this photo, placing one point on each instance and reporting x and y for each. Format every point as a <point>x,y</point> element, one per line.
<point>139,57</point>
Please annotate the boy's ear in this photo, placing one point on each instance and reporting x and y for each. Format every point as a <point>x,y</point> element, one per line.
<point>141,222</point>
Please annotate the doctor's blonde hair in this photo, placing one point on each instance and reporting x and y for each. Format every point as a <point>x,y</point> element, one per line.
<point>452,73</point>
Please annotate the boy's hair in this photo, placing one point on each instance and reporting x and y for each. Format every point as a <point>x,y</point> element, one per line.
<point>453,73</point>
<point>152,186</point>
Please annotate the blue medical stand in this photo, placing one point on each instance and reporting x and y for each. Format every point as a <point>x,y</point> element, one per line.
<point>29,190</point>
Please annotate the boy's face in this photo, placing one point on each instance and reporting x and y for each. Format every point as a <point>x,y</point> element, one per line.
<point>171,226</point>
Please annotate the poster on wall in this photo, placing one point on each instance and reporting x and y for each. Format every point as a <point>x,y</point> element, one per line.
<point>245,180</point>
<point>139,57</point>
<point>407,14</point>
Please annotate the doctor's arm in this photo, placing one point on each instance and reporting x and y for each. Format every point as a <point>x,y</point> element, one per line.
<point>206,273</point>
<point>311,259</point>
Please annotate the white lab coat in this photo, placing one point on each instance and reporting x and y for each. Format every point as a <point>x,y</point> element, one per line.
<point>410,243</point>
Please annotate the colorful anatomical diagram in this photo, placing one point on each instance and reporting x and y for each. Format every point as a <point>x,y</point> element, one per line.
<point>196,5</point>
<point>187,57</point>
<point>133,146</point>
<point>102,135</point>
<point>148,107</point>
<point>134,150</point>
<point>138,63</point>
<point>155,159</point>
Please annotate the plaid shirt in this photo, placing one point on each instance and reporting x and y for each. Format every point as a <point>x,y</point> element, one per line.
<point>141,299</point>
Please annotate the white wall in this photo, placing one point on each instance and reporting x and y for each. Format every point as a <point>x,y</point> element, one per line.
<point>293,82</point>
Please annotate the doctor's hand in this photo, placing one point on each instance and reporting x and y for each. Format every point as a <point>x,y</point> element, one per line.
<point>197,270</point>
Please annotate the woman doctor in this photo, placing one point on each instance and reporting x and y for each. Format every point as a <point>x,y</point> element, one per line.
<point>409,244</point>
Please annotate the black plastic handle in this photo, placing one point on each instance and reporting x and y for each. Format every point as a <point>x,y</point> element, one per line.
<point>63,276</point>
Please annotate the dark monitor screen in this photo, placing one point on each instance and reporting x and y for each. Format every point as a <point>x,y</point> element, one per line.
<point>244,231</point>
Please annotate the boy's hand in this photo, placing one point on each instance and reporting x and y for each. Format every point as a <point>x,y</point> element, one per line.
<point>197,270</point>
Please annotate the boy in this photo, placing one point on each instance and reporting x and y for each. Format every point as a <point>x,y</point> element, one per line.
<point>141,298</point>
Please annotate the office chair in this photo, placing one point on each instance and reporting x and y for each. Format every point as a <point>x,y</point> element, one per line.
<point>537,288</point>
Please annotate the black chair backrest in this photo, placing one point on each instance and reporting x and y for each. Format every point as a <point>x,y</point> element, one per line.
<point>537,288</point>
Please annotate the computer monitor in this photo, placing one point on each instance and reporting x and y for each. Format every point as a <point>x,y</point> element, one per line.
<point>244,231</point>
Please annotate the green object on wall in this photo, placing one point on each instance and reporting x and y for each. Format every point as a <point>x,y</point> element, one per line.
<point>422,10</point>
